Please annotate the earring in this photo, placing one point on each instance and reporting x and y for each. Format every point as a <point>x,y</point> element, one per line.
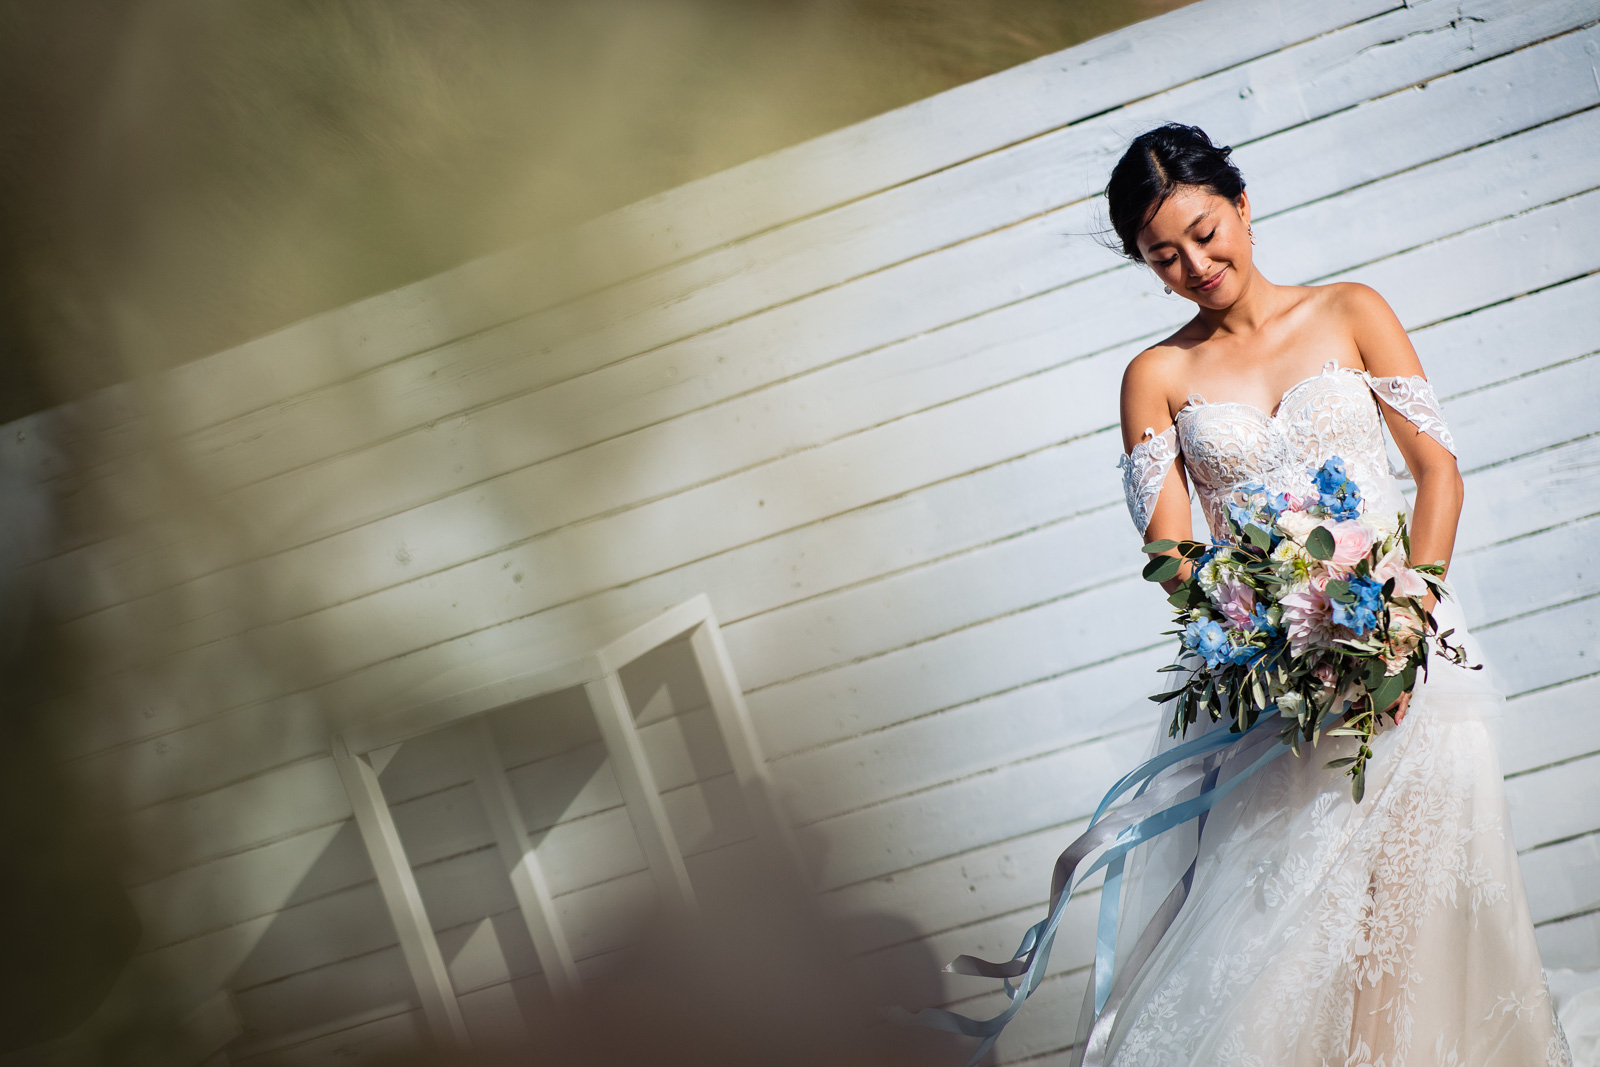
<point>1252,234</point>
<point>1167,289</point>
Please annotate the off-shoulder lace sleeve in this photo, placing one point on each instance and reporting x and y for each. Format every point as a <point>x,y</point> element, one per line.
<point>1144,471</point>
<point>1413,397</point>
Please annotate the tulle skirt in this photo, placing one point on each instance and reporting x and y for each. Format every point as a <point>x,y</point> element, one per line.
<point>1319,932</point>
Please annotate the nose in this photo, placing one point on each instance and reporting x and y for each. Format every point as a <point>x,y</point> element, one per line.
<point>1199,266</point>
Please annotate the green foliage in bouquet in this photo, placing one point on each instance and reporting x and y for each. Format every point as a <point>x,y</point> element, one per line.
<point>1309,609</point>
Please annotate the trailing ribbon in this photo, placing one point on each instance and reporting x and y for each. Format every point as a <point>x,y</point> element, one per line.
<point>1153,810</point>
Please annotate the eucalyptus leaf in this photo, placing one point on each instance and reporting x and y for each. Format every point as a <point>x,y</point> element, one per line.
<point>1320,543</point>
<point>1160,568</point>
<point>1372,673</point>
<point>1386,693</point>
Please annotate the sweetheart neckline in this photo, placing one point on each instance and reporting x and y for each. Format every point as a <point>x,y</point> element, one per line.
<point>1275,414</point>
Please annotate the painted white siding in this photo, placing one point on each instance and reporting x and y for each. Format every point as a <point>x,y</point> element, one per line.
<point>863,394</point>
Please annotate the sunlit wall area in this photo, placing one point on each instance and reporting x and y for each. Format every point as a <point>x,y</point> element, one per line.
<point>861,392</point>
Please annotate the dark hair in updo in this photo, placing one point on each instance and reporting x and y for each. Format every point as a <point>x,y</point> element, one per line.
<point>1156,163</point>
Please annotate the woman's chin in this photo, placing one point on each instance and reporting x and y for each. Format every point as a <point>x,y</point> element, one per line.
<point>1223,294</point>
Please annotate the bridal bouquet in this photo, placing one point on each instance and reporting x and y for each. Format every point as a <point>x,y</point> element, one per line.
<point>1310,610</point>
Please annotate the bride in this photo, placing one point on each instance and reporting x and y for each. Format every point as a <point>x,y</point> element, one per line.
<point>1289,925</point>
<point>1315,930</point>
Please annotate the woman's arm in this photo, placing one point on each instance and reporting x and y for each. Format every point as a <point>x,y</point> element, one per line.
<point>1386,351</point>
<point>1144,406</point>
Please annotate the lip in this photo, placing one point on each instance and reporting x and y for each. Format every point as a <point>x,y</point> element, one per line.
<point>1216,279</point>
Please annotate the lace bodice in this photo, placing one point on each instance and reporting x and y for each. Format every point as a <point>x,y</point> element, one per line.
<point>1225,444</point>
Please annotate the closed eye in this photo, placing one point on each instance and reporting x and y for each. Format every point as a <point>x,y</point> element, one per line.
<point>1173,259</point>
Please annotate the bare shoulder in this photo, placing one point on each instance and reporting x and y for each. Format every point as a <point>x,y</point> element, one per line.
<point>1338,303</point>
<point>1147,383</point>
<point>1354,301</point>
<point>1152,372</point>
<point>1363,315</point>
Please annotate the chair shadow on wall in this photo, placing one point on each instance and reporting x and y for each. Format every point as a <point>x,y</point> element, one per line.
<point>329,974</point>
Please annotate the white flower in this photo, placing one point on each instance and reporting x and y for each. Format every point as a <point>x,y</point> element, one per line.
<point>1295,563</point>
<point>1388,525</point>
<point>1298,525</point>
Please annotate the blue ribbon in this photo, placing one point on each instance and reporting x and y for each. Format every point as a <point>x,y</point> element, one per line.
<point>1033,953</point>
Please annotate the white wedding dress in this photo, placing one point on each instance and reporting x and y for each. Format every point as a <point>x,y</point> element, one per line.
<point>1318,932</point>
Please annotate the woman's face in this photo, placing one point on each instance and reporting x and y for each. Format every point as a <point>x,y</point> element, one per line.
<point>1199,244</point>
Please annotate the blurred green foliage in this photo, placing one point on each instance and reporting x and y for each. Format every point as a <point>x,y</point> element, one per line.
<point>177,176</point>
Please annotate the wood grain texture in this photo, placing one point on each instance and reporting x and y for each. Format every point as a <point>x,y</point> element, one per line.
<point>541,416</point>
<point>1544,239</point>
<point>847,165</point>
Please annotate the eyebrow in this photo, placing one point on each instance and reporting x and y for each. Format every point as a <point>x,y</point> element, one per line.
<point>1186,229</point>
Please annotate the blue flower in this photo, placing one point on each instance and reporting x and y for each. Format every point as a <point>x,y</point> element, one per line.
<point>1259,621</point>
<point>1361,613</point>
<point>1208,639</point>
<point>1335,491</point>
<point>1244,653</point>
<point>1267,504</point>
<point>1331,475</point>
<point>1260,507</point>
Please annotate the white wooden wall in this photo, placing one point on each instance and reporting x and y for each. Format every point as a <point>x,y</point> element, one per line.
<point>863,393</point>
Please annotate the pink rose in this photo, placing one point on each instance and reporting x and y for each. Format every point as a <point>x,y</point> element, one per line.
<point>1352,540</point>
<point>1407,582</point>
<point>1405,633</point>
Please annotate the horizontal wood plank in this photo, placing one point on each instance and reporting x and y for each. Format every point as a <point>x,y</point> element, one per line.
<point>1329,72</point>
<point>1570,943</point>
<point>1551,228</point>
<point>1529,78</point>
<point>838,168</point>
<point>1550,725</point>
<point>862,395</point>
